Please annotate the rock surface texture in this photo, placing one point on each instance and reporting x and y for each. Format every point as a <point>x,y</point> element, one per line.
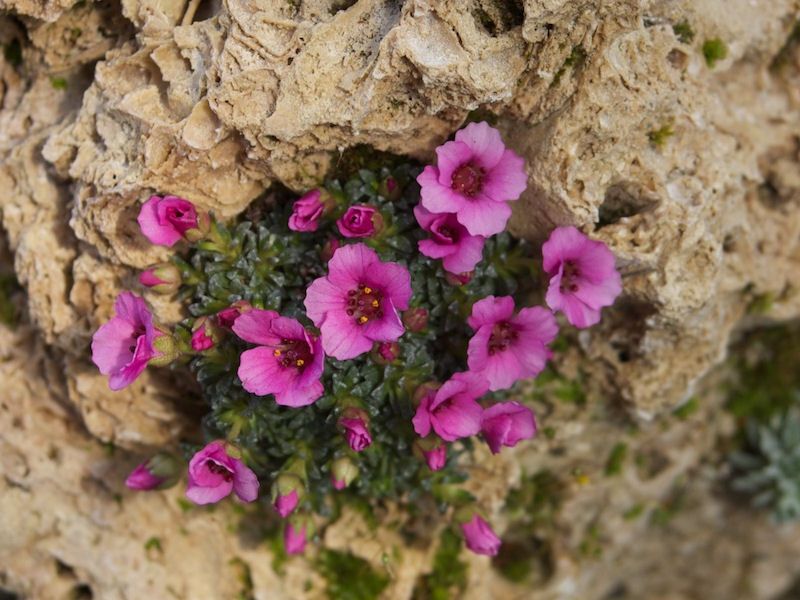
<point>687,165</point>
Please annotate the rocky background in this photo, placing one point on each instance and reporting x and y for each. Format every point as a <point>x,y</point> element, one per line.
<point>670,129</point>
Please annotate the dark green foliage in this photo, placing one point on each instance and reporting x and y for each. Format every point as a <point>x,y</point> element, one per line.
<point>714,50</point>
<point>575,60</point>
<point>659,137</point>
<point>683,31</point>
<point>350,577</point>
<point>58,83</point>
<point>269,266</point>
<point>9,313</point>
<point>616,459</point>
<point>448,578</point>
<point>768,467</point>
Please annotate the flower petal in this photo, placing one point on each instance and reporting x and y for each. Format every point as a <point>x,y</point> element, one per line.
<point>483,216</point>
<point>321,298</point>
<point>256,326</point>
<point>491,310</point>
<point>349,264</point>
<point>208,495</point>
<point>393,280</point>
<point>449,157</point>
<point>300,395</point>
<point>342,338</point>
<point>507,180</point>
<point>245,482</point>
<point>262,374</point>
<point>468,254</point>
<point>150,224</point>
<point>485,143</point>
<point>564,243</point>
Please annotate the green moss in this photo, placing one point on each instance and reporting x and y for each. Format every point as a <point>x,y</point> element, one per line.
<point>658,137</point>
<point>616,459</point>
<point>591,545</point>
<point>761,304</point>
<point>575,60</point>
<point>683,31</point>
<point>448,577</point>
<point>537,499</point>
<point>245,577</point>
<point>9,287</point>
<point>687,409</point>
<point>154,543</point>
<point>185,505</point>
<point>765,363</point>
<point>13,52</point>
<point>714,50</point>
<point>666,511</point>
<point>551,384</point>
<point>58,83</point>
<point>634,512</point>
<point>350,577</point>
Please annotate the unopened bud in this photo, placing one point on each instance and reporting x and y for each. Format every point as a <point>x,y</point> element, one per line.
<point>416,319</point>
<point>163,279</point>
<point>459,278</point>
<point>167,347</point>
<point>197,233</point>
<point>343,472</point>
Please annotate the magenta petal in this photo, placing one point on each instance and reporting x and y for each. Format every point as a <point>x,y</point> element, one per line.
<point>490,310</point>
<point>468,255</point>
<point>262,374</point>
<point>449,157</point>
<point>128,374</point>
<point>484,143</point>
<point>564,243</point>
<point>342,338</point>
<point>300,395</point>
<point>245,482</point>
<point>422,418</point>
<point>478,349</point>
<point>208,495</point>
<point>598,295</point>
<point>349,264</point>
<point>503,370</point>
<point>577,313</point>
<point>255,326</point>
<point>387,329</point>
<point>440,199</point>
<point>322,297</point>
<point>483,216</point>
<point>433,250</point>
<point>151,226</point>
<point>393,280</point>
<point>424,216</point>
<point>142,479</point>
<point>507,180</point>
<point>111,345</point>
<point>495,431</point>
<point>480,538</point>
<point>294,540</point>
<point>460,419</point>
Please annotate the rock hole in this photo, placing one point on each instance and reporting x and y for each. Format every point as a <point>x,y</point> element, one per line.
<point>340,5</point>
<point>64,570</point>
<point>498,16</point>
<point>624,200</point>
<point>7,595</point>
<point>628,322</point>
<point>528,560</point>
<point>678,58</point>
<point>82,591</point>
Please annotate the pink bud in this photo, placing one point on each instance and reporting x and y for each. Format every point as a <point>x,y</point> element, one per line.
<point>165,221</point>
<point>479,536</point>
<point>360,221</point>
<point>159,472</point>
<point>459,278</point>
<point>415,319</point>
<point>343,472</point>
<point>294,538</point>
<point>227,316</point>
<point>354,423</point>
<point>436,458</point>
<point>141,478</point>
<point>202,336</point>
<point>286,493</point>
<point>306,212</point>
<point>386,353</point>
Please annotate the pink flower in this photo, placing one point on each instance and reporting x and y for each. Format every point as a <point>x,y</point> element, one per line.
<point>436,458</point>
<point>506,423</point>
<point>583,278</point>
<point>165,220</point>
<point>452,411</point>
<point>288,361</point>
<point>213,474</point>
<point>479,536</point>
<point>474,178</point>
<point>122,347</point>
<point>141,478</point>
<point>343,472</point>
<point>294,538</point>
<point>202,338</point>
<point>227,316</point>
<point>385,353</point>
<point>508,347</point>
<point>449,240</point>
<point>306,212</point>
<point>357,303</point>
<point>359,221</point>
<point>354,425</point>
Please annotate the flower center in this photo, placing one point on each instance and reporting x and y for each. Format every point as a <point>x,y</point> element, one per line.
<point>467,179</point>
<point>293,353</point>
<point>569,277</point>
<point>218,469</point>
<point>364,304</point>
<point>503,334</point>
<point>444,232</point>
<point>137,333</point>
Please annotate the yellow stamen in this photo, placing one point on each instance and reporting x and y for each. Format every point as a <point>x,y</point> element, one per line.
<point>363,319</point>
<point>375,304</point>
<point>300,362</point>
<point>276,353</point>
<point>367,290</point>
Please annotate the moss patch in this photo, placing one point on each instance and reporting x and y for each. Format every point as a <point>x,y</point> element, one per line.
<point>350,577</point>
<point>684,32</point>
<point>448,578</point>
<point>714,50</point>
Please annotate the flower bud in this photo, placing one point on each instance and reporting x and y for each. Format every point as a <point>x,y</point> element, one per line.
<point>167,348</point>
<point>478,534</point>
<point>416,319</point>
<point>160,472</point>
<point>343,472</point>
<point>433,450</point>
<point>354,424</point>
<point>227,316</point>
<point>385,353</point>
<point>389,189</point>
<point>459,278</point>
<point>298,529</point>
<point>164,278</point>
<point>204,337</point>
<point>286,493</point>
<point>360,221</point>
<point>331,246</point>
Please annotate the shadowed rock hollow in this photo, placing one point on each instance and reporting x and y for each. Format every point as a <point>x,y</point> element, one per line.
<point>685,161</point>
